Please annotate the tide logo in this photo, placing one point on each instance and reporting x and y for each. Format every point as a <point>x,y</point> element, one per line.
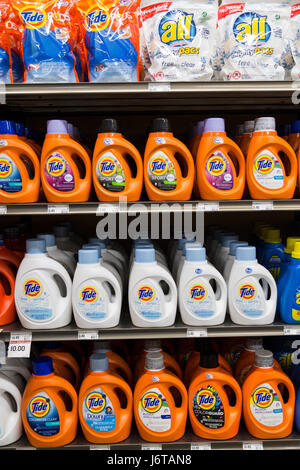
<point>198,292</point>
<point>159,166</point>
<point>177,28</point>
<point>251,29</point>
<point>205,399</point>
<point>34,18</point>
<point>95,402</point>
<point>263,397</point>
<point>107,166</point>
<point>39,407</point>
<point>151,402</point>
<point>32,288</point>
<point>146,293</point>
<point>55,166</point>
<point>89,294</point>
<point>215,165</point>
<point>264,164</point>
<point>5,168</point>
<point>247,291</point>
<point>96,19</point>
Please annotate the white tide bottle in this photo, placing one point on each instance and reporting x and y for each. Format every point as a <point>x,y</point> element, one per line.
<point>10,411</point>
<point>67,261</point>
<point>231,258</point>
<point>249,302</point>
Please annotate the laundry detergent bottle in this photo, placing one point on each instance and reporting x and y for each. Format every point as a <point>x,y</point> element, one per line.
<point>66,170</point>
<point>247,136</point>
<point>8,313</point>
<point>220,164</point>
<point>289,303</point>
<point>273,253</point>
<point>11,428</point>
<point>168,165</point>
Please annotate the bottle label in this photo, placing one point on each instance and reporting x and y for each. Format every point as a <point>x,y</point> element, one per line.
<point>110,173</point>
<point>59,174</point>
<point>91,302</point>
<point>10,177</point>
<point>296,305</point>
<point>154,411</point>
<point>266,406</point>
<point>268,171</point>
<point>146,302</point>
<point>249,299</point>
<point>161,172</point>
<point>98,411</point>
<point>42,415</point>
<point>199,299</point>
<point>218,171</point>
<point>34,301</point>
<point>274,266</point>
<point>208,408</point>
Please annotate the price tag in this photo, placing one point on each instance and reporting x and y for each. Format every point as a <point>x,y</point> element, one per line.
<point>208,206</point>
<point>104,447</point>
<point>19,345</point>
<point>151,446</point>
<point>198,446</point>
<point>199,333</point>
<point>2,353</point>
<point>262,205</point>
<point>25,448</point>
<point>253,445</point>
<point>88,335</point>
<point>159,86</point>
<point>58,208</point>
<point>3,210</point>
<point>107,209</point>
<point>290,331</point>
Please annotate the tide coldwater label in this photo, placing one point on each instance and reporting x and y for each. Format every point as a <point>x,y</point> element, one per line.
<point>161,172</point>
<point>59,174</point>
<point>110,173</point>
<point>98,411</point>
<point>147,302</point>
<point>199,299</point>
<point>154,411</point>
<point>249,298</point>
<point>92,302</point>
<point>218,171</point>
<point>267,170</point>
<point>10,177</point>
<point>266,406</point>
<point>42,415</point>
<point>208,408</point>
<point>34,300</point>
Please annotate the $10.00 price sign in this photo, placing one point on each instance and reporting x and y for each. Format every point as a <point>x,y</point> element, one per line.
<point>19,345</point>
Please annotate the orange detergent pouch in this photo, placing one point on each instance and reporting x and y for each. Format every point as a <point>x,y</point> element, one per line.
<point>159,402</point>
<point>64,363</point>
<point>220,164</point>
<point>193,363</point>
<point>271,166</point>
<point>214,401</point>
<point>267,412</point>
<point>7,288</point>
<point>169,168</point>
<point>105,404</point>
<point>66,170</point>
<point>11,65</point>
<point>47,420</point>
<point>19,168</point>
<point>117,165</point>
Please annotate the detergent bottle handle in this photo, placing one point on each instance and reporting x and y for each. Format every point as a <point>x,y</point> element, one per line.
<point>239,157</point>
<point>135,154</point>
<point>173,291</point>
<point>82,153</point>
<point>128,393</point>
<point>292,158</point>
<point>63,385</point>
<point>7,272</point>
<point>184,151</point>
<point>180,411</point>
<point>33,157</point>
<point>65,276</point>
<point>12,390</point>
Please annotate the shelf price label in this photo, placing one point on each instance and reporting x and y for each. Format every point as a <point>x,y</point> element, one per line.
<point>208,207</point>
<point>19,345</point>
<point>287,331</point>
<point>253,445</point>
<point>159,86</point>
<point>199,446</point>
<point>151,447</point>
<point>107,209</point>
<point>58,209</point>
<point>100,447</point>
<point>3,209</point>
<point>197,333</point>
<point>262,205</point>
<point>89,335</point>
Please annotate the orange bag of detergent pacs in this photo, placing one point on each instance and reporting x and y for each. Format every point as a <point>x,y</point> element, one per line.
<point>111,39</point>
<point>51,40</point>
<point>11,64</point>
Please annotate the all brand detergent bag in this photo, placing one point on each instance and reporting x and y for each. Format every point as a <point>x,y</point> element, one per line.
<point>251,39</point>
<point>111,39</point>
<point>11,65</point>
<point>178,39</point>
<point>293,34</point>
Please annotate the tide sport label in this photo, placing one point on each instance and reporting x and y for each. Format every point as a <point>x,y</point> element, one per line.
<point>42,415</point>
<point>110,173</point>
<point>199,299</point>
<point>34,300</point>
<point>154,411</point>
<point>208,408</point>
<point>268,170</point>
<point>249,299</point>
<point>98,411</point>
<point>10,177</point>
<point>161,172</point>
<point>58,173</point>
<point>92,302</point>
<point>266,406</point>
<point>219,171</point>
<point>147,302</point>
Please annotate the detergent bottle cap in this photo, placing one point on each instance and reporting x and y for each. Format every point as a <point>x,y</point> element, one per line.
<point>265,124</point>
<point>239,130</point>
<point>263,358</point>
<point>52,345</point>
<point>254,344</point>
<point>42,365</point>
<point>35,246</point>
<point>20,128</point>
<point>220,234</point>
<point>214,125</point>
<point>226,239</point>
<point>209,360</point>
<point>195,252</point>
<point>96,247</point>
<point>295,127</point>
<point>161,125</point>
<point>70,129</point>
<point>273,236</point>
<point>285,130</point>
<point>199,127</point>
<point>99,362</point>
<point>290,244</point>
<point>144,254</point>
<point>109,125</point>
<point>245,253</point>
<point>249,127</point>
<point>151,344</point>
<point>96,242</point>
<point>8,127</point>
<point>88,256</point>
<point>234,245</point>
<point>57,126</point>
<point>102,345</point>
<point>296,251</point>
<point>61,231</point>
<point>154,361</point>
<point>48,237</point>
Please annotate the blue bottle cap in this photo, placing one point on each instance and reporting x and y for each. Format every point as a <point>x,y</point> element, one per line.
<point>96,242</point>
<point>88,246</point>
<point>295,128</point>
<point>144,254</point>
<point>48,237</point>
<point>20,129</point>
<point>8,127</point>
<point>99,362</point>
<point>42,365</point>
<point>234,245</point>
<point>88,256</point>
<point>246,253</point>
<point>35,246</point>
<point>226,239</point>
<point>195,252</point>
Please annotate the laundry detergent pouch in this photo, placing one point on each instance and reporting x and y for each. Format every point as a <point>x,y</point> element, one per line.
<point>293,34</point>
<point>11,65</point>
<point>50,37</point>
<point>111,39</point>
<point>178,39</point>
<point>252,40</point>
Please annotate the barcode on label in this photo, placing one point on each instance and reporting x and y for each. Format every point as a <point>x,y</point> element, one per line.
<point>19,345</point>
<point>107,209</point>
<point>154,86</point>
<point>262,205</point>
<point>88,335</point>
<point>58,208</point>
<point>198,446</point>
<point>151,446</point>
<point>208,206</point>
<point>104,447</point>
<point>199,333</point>
<point>253,446</point>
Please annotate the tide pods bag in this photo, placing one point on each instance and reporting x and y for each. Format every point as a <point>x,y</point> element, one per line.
<point>178,39</point>
<point>111,36</point>
<point>50,41</point>
<point>293,33</point>
<point>252,40</point>
<point>11,64</point>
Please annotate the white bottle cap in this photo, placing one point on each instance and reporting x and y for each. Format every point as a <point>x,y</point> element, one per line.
<point>249,127</point>
<point>154,361</point>
<point>263,358</point>
<point>265,124</point>
<point>254,344</point>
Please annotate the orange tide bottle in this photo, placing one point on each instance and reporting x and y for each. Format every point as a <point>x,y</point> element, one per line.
<point>47,420</point>
<point>31,140</point>
<point>66,170</point>
<point>64,363</point>
<point>159,402</point>
<point>169,168</point>
<point>105,404</point>
<point>220,164</point>
<point>246,137</point>
<point>8,312</point>
<point>268,413</point>
<point>269,175</point>
<point>117,165</point>
<point>194,151</point>
<point>214,401</point>
<point>10,257</point>
<point>19,168</point>
<point>239,134</point>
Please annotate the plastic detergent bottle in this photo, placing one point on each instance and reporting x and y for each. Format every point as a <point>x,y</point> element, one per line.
<point>49,407</point>
<point>67,261</point>
<point>260,246</point>
<point>117,165</point>
<point>169,168</point>
<point>284,265</point>
<point>19,168</point>
<point>246,359</point>
<point>8,312</point>
<point>64,364</point>
<point>113,248</point>
<point>109,259</point>
<point>31,140</point>
<point>11,428</point>
<point>223,253</point>
<point>273,253</point>
<point>268,176</point>
<point>220,164</point>
<point>267,413</point>
<point>182,258</point>
<point>13,241</point>
<point>290,295</point>
<point>16,372</point>
<point>231,257</point>
<point>247,136</point>
<point>284,131</point>
<point>159,402</point>
<point>202,292</point>
<point>75,237</point>
<point>179,255</point>
<point>294,136</point>
<point>249,302</point>
<point>214,411</point>
<point>43,290</point>
<point>64,241</point>
<point>105,403</point>
<point>196,141</point>
<point>66,170</point>
<point>220,240</point>
<point>11,258</point>
<point>152,292</point>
